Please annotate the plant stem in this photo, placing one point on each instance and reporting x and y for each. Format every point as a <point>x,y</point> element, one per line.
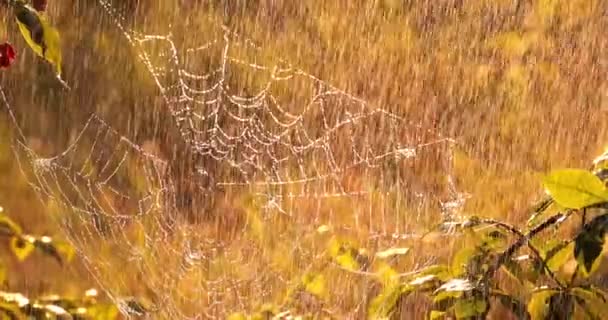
<point>523,240</point>
<point>583,221</point>
<point>522,237</point>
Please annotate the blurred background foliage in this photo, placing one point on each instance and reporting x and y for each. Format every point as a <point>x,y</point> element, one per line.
<point>520,84</point>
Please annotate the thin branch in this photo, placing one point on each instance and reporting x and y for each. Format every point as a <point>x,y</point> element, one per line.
<point>535,251</point>
<point>506,255</point>
<point>575,273</point>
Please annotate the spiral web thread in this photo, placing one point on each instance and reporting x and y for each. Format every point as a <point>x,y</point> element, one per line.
<point>113,194</point>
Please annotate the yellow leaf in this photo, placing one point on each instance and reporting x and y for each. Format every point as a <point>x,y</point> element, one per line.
<point>513,44</point>
<point>323,229</point>
<point>22,247</point>
<point>546,11</point>
<point>315,284</point>
<point>575,188</point>
<point>40,35</point>
<point>103,311</point>
<point>66,250</point>
<point>392,252</point>
<point>538,306</point>
<point>436,315</point>
<point>2,273</point>
<point>386,274</point>
<point>237,316</point>
<point>8,227</point>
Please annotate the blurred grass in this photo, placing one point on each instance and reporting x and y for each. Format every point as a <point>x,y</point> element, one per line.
<point>521,85</point>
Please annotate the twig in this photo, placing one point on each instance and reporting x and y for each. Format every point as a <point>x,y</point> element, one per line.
<point>506,255</point>
<point>583,221</point>
<point>522,237</point>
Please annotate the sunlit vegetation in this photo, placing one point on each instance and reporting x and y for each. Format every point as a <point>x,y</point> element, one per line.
<point>15,305</point>
<point>519,85</point>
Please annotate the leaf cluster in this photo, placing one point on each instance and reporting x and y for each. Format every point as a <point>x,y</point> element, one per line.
<point>15,305</point>
<point>553,278</point>
<point>546,273</point>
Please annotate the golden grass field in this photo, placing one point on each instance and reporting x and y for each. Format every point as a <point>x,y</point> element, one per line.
<point>521,86</point>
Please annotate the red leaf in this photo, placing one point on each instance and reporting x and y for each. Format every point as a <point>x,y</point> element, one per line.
<point>7,55</point>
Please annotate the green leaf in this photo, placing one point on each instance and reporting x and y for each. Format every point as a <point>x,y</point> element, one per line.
<point>539,306</point>
<point>39,34</point>
<point>589,244</point>
<point>22,247</point>
<point>575,188</point>
<point>467,308</point>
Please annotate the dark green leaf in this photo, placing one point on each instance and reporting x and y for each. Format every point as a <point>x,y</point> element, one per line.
<point>589,244</point>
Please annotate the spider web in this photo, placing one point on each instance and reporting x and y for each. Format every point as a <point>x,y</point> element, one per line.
<point>255,126</point>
